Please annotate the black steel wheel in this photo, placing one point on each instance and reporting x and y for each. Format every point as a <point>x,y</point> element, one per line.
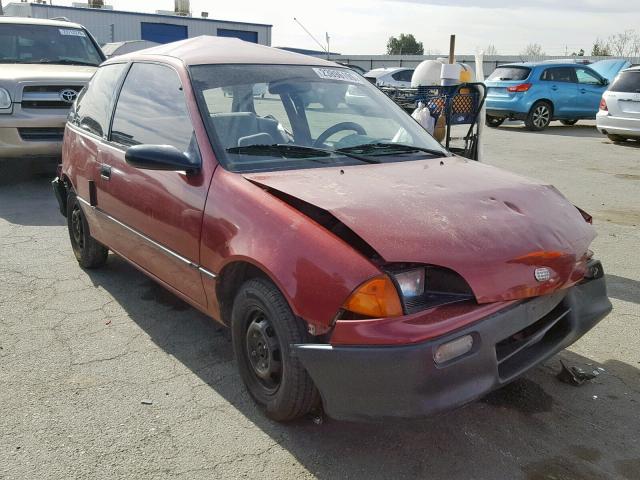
<point>539,117</point>
<point>263,328</point>
<point>89,252</point>
<point>494,122</point>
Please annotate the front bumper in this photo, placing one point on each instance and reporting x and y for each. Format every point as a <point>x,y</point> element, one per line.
<point>404,381</point>
<point>32,132</point>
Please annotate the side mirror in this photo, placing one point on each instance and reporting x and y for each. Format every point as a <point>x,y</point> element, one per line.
<point>605,82</point>
<point>160,157</point>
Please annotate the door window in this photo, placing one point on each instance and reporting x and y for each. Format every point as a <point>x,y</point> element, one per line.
<point>558,74</point>
<point>93,109</point>
<point>403,75</point>
<point>587,77</point>
<point>152,110</point>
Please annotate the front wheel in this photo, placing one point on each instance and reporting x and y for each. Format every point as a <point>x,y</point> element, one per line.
<point>494,122</point>
<point>569,123</point>
<point>263,328</point>
<point>539,117</point>
<point>88,251</point>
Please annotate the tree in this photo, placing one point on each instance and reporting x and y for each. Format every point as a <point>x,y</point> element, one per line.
<point>533,50</point>
<point>405,44</point>
<point>600,49</point>
<point>491,50</point>
<point>624,44</point>
<point>580,53</point>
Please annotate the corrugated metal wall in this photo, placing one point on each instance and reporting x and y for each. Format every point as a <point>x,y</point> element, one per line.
<point>115,26</point>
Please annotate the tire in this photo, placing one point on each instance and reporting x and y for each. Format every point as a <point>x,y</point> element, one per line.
<point>617,138</point>
<point>89,252</point>
<point>263,328</point>
<point>569,123</point>
<point>539,117</point>
<point>494,122</point>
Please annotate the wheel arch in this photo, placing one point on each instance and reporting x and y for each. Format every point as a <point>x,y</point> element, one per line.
<point>546,100</point>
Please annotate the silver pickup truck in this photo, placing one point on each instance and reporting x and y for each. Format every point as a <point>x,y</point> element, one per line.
<point>43,66</point>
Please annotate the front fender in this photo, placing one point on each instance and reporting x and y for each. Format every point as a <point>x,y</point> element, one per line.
<point>315,270</point>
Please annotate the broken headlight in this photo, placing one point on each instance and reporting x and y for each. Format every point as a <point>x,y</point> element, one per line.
<point>426,287</point>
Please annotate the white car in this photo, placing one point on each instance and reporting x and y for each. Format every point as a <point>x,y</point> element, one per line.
<point>619,115</point>
<point>390,76</point>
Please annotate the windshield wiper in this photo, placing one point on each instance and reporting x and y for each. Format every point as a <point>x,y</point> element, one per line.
<point>66,62</point>
<point>288,150</point>
<point>390,148</point>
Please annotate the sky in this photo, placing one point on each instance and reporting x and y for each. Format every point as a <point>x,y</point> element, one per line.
<point>364,26</point>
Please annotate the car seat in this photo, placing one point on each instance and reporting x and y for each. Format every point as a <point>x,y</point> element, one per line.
<point>238,129</point>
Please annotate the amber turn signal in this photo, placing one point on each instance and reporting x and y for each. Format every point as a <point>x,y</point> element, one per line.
<point>376,298</point>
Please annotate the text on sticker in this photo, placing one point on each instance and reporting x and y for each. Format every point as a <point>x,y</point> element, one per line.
<point>72,32</point>
<point>338,74</point>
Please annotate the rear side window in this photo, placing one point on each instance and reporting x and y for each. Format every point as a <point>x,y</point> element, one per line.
<point>559,74</point>
<point>627,82</point>
<point>152,109</point>
<point>509,73</point>
<point>93,110</point>
<point>403,75</point>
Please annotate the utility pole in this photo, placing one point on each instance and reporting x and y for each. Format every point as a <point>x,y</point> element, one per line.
<point>1,11</point>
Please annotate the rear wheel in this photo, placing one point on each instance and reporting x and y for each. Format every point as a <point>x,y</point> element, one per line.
<point>494,122</point>
<point>539,117</point>
<point>88,251</point>
<point>568,123</point>
<point>617,138</point>
<point>263,328</point>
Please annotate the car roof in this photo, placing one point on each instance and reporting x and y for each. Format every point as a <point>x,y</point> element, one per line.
<point>543,64</point>
<point>377,72</point>
<point>39,21</point>
<point>210,50</point>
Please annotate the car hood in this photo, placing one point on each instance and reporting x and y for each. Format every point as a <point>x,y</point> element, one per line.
<point>13,75</point>
<point>492,227</point>
<point>609,68</point>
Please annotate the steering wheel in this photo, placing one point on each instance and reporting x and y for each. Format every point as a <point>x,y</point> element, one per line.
<point>338,127</point>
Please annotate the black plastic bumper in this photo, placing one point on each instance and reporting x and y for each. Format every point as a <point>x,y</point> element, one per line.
<point>364,382</point>
<point>60,191</point>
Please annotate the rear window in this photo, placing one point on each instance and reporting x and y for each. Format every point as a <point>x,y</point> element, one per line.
<point>628,82</point>
<point>509,73</point>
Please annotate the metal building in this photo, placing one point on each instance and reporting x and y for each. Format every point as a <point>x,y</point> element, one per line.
<point>108,25</point>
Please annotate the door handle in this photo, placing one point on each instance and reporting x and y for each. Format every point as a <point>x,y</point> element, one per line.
<point>583,90</point>
<point>105,172</point>
<point>554,88</point>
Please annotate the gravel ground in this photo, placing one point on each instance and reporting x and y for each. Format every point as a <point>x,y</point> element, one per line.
<point>105,375</point>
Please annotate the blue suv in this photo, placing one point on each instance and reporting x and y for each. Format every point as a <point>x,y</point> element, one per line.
<point>544,91</point>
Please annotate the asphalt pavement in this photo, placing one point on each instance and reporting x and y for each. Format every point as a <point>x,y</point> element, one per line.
<point>104,374</point>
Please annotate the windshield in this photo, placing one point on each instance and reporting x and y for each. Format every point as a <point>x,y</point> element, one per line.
<point>21,43</point>
<point>506,74</point>
<point>281,117</point>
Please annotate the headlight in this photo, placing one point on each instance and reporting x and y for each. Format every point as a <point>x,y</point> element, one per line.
<point>427,287</point>
<point>5,99</point>
<point>405,290</point>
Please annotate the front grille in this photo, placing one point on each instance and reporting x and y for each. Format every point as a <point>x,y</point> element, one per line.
<point>526,347</point>
<point>47,96</point>
<point>41,134</point>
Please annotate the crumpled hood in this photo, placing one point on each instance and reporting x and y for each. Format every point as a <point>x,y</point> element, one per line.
<point>492,227</point>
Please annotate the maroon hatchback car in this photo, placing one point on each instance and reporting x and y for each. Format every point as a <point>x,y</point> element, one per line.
<point>356,261</point>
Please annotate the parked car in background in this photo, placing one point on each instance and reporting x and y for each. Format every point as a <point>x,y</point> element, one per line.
<point>113,49</point>
<point>541,92</point>
<point>43,66</point>
<point>390,76</point>
<point>356,261</point>
<point>619,115</point>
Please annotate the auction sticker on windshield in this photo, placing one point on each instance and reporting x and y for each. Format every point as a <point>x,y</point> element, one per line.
<point>338,74</point>
<point>72,32</point>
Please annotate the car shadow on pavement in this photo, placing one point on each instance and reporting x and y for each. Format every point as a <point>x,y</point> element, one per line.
<point>535,428</point>
<point>589,131</point>
<point>30,202</point>
<point>625,289</point>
